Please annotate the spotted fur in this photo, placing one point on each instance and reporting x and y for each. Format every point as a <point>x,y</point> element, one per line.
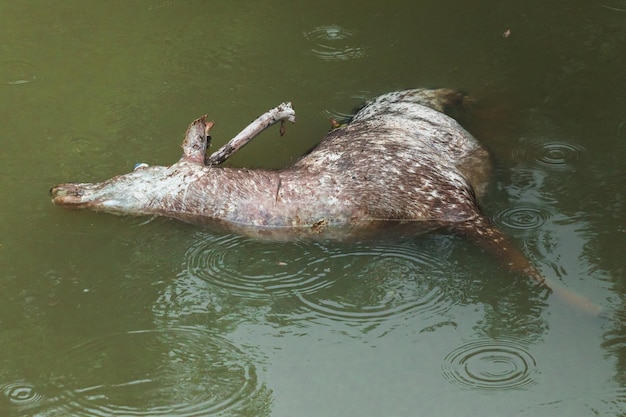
<point>400,164</point>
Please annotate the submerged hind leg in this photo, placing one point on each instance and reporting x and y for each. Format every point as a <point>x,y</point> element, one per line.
<point>487,236</point>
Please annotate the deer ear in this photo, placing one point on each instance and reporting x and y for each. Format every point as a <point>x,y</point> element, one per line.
<point>195,143</point>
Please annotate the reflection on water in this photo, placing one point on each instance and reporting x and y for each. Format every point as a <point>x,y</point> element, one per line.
<point>490,365</point>
<point>358,286</point>
<point>601,402</point>
<point>15,71</point>
<point>615,5</point>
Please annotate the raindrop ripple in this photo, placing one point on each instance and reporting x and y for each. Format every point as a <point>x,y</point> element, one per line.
<point>493,365</point>
<point>166,372</point>
<point>356,100</point>
<point>334,43</point>
<point>522,218</point>
<point>21,394</point>
<point>556,154</point>
<point>372,284</point>
<point>251,268</point>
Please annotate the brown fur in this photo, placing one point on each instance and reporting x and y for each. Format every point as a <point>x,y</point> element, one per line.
<point>400,164</point>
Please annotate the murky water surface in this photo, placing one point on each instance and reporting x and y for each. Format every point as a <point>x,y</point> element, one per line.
<point>109,316</point>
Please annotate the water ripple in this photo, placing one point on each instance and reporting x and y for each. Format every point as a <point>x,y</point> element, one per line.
<point>359,285</point>
<point>522,218</point>
<point>21,394</point>
<point>493,365</point>
<point>173,372</point>
<point>557,155</point>
<point>355,99</point>
<point>334,43</point>
<point>374,284</point>
<point>16,71</point>
<point>252,268</point>
<point>600,402</point>
<point>615,5</point>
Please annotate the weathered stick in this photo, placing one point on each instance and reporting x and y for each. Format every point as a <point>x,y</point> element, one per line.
<point>278,114</point>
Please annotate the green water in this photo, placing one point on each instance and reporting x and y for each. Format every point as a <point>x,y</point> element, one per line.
<point>102,315</point>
